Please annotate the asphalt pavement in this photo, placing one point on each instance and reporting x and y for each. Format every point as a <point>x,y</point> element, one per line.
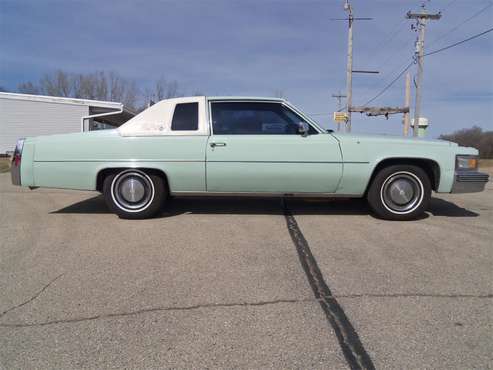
<point>243,283</point>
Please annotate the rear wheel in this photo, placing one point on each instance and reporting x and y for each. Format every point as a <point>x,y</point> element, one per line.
<point>400,192</point>
<point>134,194</point>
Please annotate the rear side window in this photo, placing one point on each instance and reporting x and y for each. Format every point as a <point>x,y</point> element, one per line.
<point>186,117</point>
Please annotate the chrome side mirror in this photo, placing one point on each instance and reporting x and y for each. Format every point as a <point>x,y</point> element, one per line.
<point>303,128</point>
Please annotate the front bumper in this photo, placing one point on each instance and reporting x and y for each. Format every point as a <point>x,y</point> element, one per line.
<point>469,181</point>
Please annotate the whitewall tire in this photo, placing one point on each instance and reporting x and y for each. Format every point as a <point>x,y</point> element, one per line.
<point>400,192</point>
<point>134,194</point>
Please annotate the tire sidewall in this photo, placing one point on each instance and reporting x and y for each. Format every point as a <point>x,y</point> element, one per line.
<point>375,193</point>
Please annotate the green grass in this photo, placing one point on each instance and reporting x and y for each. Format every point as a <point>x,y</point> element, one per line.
<point>4,165</point>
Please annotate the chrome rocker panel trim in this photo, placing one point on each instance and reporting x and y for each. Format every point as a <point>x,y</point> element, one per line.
<point>261,194</point>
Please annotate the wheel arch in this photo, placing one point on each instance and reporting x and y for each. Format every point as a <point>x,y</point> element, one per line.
<point>104,172</point>
<point>430,166</point>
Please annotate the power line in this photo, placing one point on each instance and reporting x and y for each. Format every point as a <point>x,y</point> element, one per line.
<point>384,81</point>
<point>390,84</point>
<point>459,43</point>
<point>396,30</point>
<point>462,23</point>
<point>430,53</point>
<point>390,74</point>
<point>392,55</point>
<point>450,3</point>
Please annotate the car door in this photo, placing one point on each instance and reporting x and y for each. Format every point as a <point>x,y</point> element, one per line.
<point>255,147</point>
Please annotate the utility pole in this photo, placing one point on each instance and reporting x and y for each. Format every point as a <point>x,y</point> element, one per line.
<point>421,19</point>
<point>339,98</point>
<point>407,103</point>
<point>349,69</point>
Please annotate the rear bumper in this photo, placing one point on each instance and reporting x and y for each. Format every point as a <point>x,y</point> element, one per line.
<point>15,173</point>
<point>469,181</point>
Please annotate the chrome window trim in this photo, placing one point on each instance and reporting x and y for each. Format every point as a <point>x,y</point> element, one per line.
<point>281,102</point>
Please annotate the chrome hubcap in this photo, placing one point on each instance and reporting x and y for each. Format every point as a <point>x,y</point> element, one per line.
<point>132,190</point>
<point>402,192</point>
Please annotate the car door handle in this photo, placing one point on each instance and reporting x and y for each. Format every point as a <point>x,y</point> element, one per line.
<point>217,144</point>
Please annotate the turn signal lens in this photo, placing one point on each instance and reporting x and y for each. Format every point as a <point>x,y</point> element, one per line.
<point>467,162</point>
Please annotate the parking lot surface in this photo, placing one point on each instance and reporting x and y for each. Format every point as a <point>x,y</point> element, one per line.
<point>243,283</point>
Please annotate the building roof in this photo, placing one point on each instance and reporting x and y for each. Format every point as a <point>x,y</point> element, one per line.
<point>95,106</point>
<point>61,100</point>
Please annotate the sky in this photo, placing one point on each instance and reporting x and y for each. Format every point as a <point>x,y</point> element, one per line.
<point>260,47</point>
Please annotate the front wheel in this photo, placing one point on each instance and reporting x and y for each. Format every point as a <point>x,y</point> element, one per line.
<point>400,192</point>
<point>134,194</point>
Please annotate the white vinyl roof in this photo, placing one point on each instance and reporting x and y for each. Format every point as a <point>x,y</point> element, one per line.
<point>157,119</point>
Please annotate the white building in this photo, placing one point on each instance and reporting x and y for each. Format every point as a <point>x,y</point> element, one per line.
<point>24,115</point>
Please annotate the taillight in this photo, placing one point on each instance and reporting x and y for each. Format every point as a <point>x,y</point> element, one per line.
<point>16,159</point>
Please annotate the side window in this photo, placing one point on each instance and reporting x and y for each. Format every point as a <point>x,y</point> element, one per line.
<point>254,118</point>
<point>186,117</point>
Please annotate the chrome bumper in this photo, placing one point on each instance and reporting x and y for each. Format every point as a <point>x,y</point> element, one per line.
<point>469,181</point>
<point>15,173</point>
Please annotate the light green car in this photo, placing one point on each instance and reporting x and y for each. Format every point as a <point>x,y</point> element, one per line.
<point>222,146</point>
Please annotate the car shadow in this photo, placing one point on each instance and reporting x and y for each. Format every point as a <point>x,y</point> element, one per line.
<point>441,207</point>
<point>235,205</point>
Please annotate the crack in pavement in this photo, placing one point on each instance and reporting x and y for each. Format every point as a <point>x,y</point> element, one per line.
<point>353,350</point>
<point>237,304</point>
<point>38,293</point>
<point>227,305</point>
<point>158,309</point>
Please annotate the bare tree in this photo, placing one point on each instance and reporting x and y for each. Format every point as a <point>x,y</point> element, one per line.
<point>57,84</point>
<point>159,89</point>
<point>101,86</point>
<point>98,85</point>
<point>131,95</point>
<point>28,88</point>
<point>116,87</point>
<point>474,137</point>
<point>172,90</point>
<point>165,90</point>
